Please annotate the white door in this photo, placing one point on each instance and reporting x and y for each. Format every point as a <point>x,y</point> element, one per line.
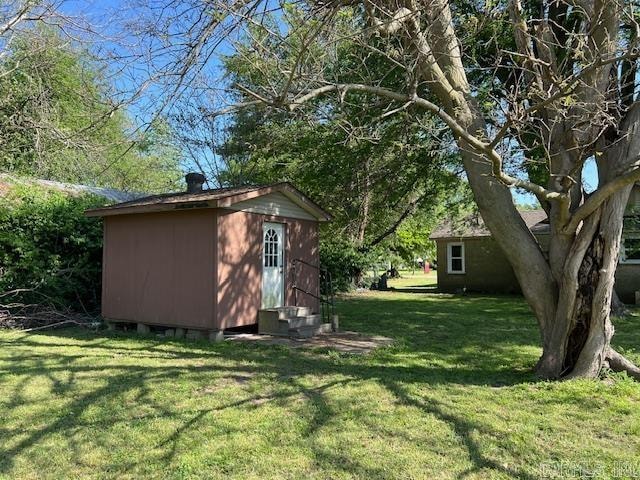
<point>272,265</point>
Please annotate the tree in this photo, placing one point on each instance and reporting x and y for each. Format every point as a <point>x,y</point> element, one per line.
<point>57,120</point>
<point>412,239</point>
<point>16,14</point>
<point>563,92</point>
<point>373,171</point>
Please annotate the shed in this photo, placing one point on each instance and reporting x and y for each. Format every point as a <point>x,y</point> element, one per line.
<point>210,260</point>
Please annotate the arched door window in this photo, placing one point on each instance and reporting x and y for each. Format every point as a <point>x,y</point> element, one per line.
<point>271,248</point>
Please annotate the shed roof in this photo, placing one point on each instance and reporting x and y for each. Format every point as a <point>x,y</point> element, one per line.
<point>473,226</point>
<point>213,198</point>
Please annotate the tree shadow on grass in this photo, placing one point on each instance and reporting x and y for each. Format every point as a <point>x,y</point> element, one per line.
<point>286,365</point>
<point>463,429</point>
<point>436,347</point>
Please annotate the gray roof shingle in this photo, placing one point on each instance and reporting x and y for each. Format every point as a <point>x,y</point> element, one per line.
<point>110,194</point>
<point>473,226</point>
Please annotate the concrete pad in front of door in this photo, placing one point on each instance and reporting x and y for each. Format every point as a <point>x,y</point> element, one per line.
<point>345,342</point>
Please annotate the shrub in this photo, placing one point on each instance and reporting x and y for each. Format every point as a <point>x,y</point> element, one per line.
<point>345,262</point>
<point>49,248</point>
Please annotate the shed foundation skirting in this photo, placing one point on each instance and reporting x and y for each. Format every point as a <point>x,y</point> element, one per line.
<point>143,329</point>
<point>168,332</point>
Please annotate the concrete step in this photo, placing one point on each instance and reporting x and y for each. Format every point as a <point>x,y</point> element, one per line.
<point>291,311</point>
<point>287,321</point>
<point>310,331</point>
<point>304,321</point>
<point>324,328</point>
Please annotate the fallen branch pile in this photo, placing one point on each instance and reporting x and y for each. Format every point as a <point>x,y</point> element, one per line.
<point>30,317</point>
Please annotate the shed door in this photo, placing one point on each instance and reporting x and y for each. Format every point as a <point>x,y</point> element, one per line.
<point>272,265</point>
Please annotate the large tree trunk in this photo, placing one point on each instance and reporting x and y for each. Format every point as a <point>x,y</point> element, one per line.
<point>570,293</point>
<point>577,341</point>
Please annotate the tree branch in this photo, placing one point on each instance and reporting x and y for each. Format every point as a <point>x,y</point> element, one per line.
<point>457,129</point>
<point>17,18</point>
<point>567,88</point>
<point>408,211</point>
<point>599,197</point>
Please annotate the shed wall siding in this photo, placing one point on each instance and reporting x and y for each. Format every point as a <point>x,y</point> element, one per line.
<point>239,270</point>
<point>303,243</point>
<point>159,268</point>
<point>273,204</point>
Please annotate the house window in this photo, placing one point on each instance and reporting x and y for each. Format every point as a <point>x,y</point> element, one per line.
<point>630,251</point>
<point>271,248</point>
<point>455,258</point>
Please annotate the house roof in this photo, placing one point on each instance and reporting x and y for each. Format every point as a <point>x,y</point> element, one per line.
<point>111,194</point>
<point>213,198</point>
<point>473,226</point>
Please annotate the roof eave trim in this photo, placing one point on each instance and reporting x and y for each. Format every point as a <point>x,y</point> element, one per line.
<point>286,189</point>
<point>161,207</point>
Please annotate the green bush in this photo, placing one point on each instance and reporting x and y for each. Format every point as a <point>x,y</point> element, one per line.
<point>49,248</point>
<point>345,262</point>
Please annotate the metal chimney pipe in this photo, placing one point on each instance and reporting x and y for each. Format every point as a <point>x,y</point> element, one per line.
<point>194,182</point>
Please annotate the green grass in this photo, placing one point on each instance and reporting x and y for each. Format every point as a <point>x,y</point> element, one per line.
<point>454,398</point>
<point>416,279</point>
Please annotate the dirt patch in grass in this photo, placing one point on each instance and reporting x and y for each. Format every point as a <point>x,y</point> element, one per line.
<point>344,342</point>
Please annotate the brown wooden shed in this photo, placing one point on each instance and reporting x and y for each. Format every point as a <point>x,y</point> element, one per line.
<point>210,260</point>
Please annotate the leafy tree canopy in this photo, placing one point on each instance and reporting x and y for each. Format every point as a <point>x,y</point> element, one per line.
<point>377,171</point>
<point>57,121</point>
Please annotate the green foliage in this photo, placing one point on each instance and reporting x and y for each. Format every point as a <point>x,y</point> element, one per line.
<point>345,262</point>
<point>50,248</point>
<point>412,239</point>
<point>527,206</point>
<point>485,42</point>
<point>58,121</point>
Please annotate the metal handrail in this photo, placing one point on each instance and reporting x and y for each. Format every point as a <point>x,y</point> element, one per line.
<point>318,297</point>
<point>329,301</point>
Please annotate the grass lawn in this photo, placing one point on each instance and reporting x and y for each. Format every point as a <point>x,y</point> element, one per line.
<point>454,398</point>
<point>417,279</point>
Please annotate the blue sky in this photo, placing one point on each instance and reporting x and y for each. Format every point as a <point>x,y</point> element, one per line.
<point>590,176</point>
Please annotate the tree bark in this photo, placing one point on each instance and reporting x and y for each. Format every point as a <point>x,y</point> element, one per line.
<point>364,206</point>
<point>570,293</point>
